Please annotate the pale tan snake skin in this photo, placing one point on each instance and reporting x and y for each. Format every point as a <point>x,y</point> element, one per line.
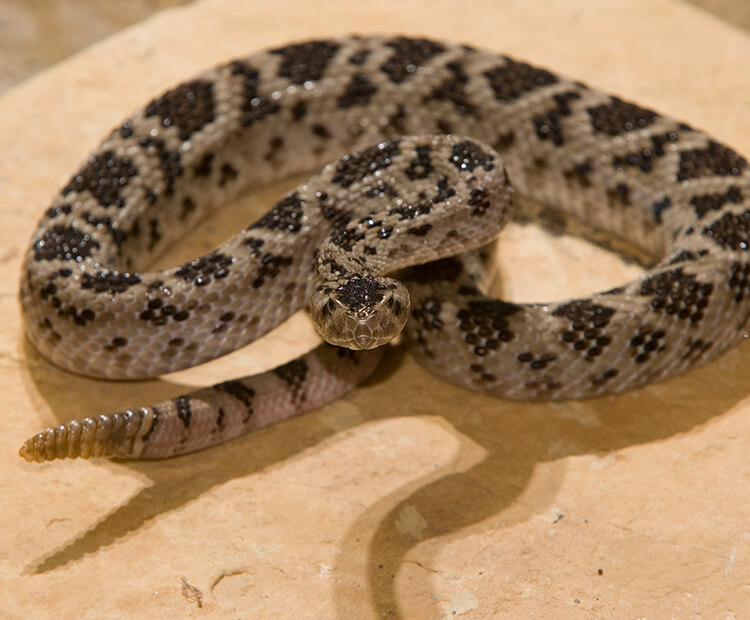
<point>670,189</point>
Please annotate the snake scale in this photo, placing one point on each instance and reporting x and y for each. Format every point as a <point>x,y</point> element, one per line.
<point>425,123</point>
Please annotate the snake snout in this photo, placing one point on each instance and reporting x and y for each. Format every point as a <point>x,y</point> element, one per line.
<point>364,335</point>
<point>369,319</point>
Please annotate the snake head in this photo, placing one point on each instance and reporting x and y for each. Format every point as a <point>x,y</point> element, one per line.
<point>362,313</point>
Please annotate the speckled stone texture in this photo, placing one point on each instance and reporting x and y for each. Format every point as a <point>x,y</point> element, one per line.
<point>410,497</point>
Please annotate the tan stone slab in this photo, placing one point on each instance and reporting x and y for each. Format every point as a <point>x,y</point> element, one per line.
<point>410,497</point>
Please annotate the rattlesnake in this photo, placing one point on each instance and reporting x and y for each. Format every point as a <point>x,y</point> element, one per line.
<point>670,189</point>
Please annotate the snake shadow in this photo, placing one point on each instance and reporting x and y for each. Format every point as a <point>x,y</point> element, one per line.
<point>515,438</point>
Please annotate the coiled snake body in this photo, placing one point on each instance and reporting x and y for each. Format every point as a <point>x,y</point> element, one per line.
<point>399,201</point>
